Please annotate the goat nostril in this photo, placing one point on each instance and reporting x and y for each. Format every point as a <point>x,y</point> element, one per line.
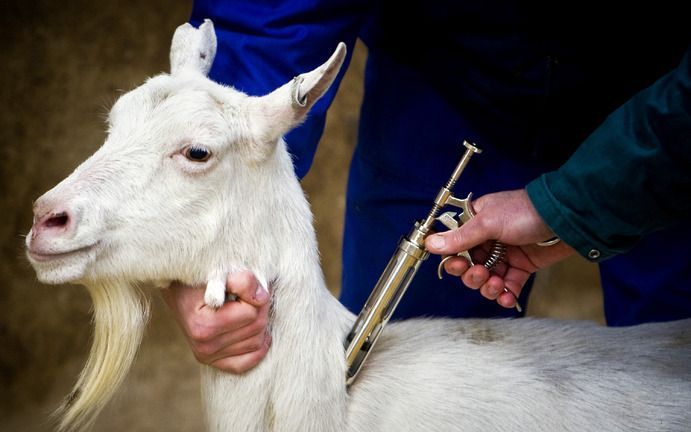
<point>57,221</point>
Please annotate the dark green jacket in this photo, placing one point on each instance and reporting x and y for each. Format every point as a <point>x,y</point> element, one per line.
<point>630,177</point>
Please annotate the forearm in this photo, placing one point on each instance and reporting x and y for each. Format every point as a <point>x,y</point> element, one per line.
<point>630,177</point>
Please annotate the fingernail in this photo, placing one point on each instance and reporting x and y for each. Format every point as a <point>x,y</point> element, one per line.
<point>261,293</point>
<point>438,242</point>
<point>453,271</point>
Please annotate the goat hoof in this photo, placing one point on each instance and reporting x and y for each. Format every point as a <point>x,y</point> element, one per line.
<point>215,294</point>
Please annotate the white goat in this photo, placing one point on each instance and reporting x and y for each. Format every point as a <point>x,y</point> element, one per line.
<point>194,181</point>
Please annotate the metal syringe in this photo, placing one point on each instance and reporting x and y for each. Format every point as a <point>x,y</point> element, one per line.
<point>399,272</point>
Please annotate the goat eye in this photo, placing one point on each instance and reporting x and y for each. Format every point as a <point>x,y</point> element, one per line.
<point>197,154</point>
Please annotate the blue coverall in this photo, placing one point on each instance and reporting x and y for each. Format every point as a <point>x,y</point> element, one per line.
<point>526,89</point>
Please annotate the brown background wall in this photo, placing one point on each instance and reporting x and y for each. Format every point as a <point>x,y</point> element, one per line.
<point>63,65</point>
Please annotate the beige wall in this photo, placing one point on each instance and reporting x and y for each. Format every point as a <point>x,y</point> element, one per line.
<point>63,65</point>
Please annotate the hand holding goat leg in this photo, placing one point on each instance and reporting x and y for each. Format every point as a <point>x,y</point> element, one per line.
<point>233,338</point>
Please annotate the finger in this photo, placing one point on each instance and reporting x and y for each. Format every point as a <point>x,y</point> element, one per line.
<point>211,343</point>
<point>243,363</point>
<point>456,266</point>
<point>514,280</point>
<point>493,287</point>
<point>228,345</point>
<point>206,325</point>
<point>245,285</point>
<point>472,233</point>
<point>230,317</point>
<point>257,323</point>
<point>215,334</point>
<point>507,300</point>
<point>245,346</point>
<point>475,277</point>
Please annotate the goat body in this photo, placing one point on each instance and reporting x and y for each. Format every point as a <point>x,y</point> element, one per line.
<point>194,182</point>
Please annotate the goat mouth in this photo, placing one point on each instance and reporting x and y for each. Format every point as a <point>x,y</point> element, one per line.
<point>47,256</point>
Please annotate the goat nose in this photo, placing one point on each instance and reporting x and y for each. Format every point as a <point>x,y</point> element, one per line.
<point>52,218</point>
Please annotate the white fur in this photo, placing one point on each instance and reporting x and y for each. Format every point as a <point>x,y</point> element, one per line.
<point>145,212</point>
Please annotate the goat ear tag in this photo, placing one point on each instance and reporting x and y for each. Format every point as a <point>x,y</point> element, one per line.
<point>299,100</point>
<point>193,49</point>
<point>276,113</point>
<point>310,86</point>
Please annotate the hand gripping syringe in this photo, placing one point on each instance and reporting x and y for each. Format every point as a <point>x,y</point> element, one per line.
<point>405,262</point>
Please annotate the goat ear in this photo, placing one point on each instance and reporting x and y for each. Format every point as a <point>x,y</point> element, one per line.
<point>193,49</point>
<point>277,113</point>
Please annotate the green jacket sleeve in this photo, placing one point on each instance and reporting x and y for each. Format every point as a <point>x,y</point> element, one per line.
<point>630,177</point>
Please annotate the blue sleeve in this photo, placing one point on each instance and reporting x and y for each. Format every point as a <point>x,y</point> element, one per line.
<point>264,44</point>
<point>630,177</point>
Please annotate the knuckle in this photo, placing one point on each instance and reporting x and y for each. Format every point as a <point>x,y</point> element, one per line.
<point>202,352</point>
<point>456,266</point>
<point>262,322</point>
<point>456,236</point>
<point>484,222</point>
<point>236,365</point>
<point>228,365</point>
<point>201,334</point>
<point>250,314</point>
<point>470,279</point>
<point>238,315</point>
<point>489,291</point>
<point>256,343</point>
<point>254,329</point>
<point>254,358</point>
<point>242,283</point>
<point>235,369</point>
<point>491,225</point>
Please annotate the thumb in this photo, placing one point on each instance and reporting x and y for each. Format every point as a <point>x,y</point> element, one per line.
<point>247,287</point>
<point>467,236</point>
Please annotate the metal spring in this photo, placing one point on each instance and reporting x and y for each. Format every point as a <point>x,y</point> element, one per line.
<point>496,255</point>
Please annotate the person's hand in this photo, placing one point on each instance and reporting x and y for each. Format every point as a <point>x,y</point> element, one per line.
<point>510,218</point>
<point>233,338</point>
